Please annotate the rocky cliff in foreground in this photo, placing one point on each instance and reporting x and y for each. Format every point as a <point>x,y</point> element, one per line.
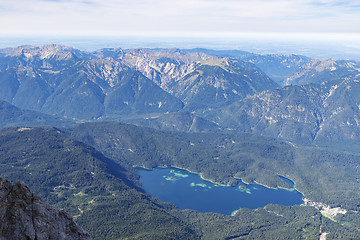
<point>25,216</point>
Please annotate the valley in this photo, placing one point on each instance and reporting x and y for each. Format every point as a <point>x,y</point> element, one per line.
<point>75,125</point>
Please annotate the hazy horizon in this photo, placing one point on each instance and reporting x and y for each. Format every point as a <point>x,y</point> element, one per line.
<point>314,45</point>
<point>316,28</point>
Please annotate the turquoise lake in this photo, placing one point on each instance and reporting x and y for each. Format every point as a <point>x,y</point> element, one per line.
<point>188,191</point>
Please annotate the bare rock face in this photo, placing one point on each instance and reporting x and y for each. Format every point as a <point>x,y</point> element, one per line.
<point>25,216</point>
<point>318,71</point>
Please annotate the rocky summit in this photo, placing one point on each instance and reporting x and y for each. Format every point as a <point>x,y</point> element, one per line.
<point>25,216</point>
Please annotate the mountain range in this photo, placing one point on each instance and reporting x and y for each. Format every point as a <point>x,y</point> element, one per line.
<point>74,124</point>
<point>67,82</point>
<point>277,66</point>
<point>324,115</point>
<point>174,89</point>
<point>318,71</point>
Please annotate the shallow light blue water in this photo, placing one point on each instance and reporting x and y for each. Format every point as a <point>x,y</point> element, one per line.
<point>188,191</point>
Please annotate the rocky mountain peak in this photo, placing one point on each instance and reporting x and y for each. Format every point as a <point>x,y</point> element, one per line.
<point>318,71</point>
<point>109,65</point>
<point>108,69</point>
<point>43,52</point>
<point>164,66</point>
<point>321,65</point>
<point>25,216</point>
<point>116,53</point>
<point>220,62</point>
<point>139,52</point>
<point>47,56</point>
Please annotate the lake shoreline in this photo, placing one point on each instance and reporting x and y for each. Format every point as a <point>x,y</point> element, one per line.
<point>248,186</point>
<point>236,201</point>
<point>227,185</point>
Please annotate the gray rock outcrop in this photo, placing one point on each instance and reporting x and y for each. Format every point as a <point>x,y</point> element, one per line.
<point>24,215</point>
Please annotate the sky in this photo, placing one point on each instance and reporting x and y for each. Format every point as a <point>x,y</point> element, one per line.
<point>253,25</point>
<point>177,17</point>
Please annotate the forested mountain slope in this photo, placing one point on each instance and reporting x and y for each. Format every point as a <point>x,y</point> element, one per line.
<point>102,195</point>
<point>13,116</point>
<point>325,115</point>
<point>224,158</point>
<point>107,200</point>
<point>218,83</point>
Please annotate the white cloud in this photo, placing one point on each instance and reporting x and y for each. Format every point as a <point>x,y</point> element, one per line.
<point>120,16</point>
